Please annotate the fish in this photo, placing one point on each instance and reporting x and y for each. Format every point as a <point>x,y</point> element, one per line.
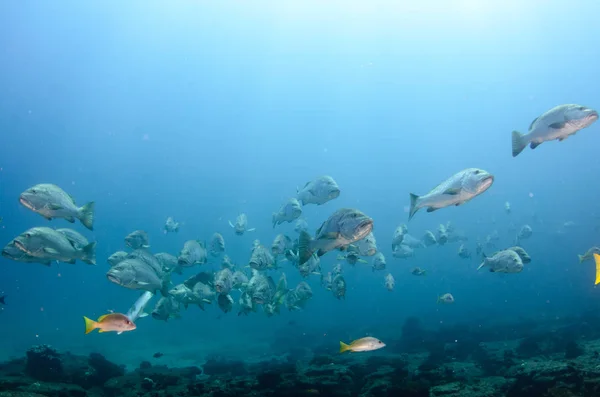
<point>137,239</point>
<point>390,282</point>
<point>227,263</point>
<point>171,226</point>
<point>417,271</point>
<point>367,246</point>
<point>456,190</point>
<point>241,225</point>
<point>507,207</point>
<point>311,266</point>
<point>366,344</point>
<point>167,307</point>
<point>239,280</point>
<point>344,227</point>
<point>186,296</point>
<point>525,258</point>
<point>300,225</point>
<point>223,281</point>
<point>116,322</point>
<point>429,239</point>
<point>318,191</point>
<point>281,244</point>
<point>412,242</point>
<point>337,269</point>
<point>327,280</point>
<point>137,310</point>
<point>261,258</point>
<point>3,299</point>
<point>261,288</point>
<point>338,286</point>
<point>559,123</point>
<point>403,251</point>
<point>11,251</point>
<point>589,254</point>
<point>117,257</point>
<point>378,262</point>
<point>245,304</point>
<point>51,202</point>
<point>167,261</point>
<point>442,235</point>
<point>157,355</point>
<point>351,256</point>
<point>225,303</point>
<point>216,244</point>
<point>193,253</point>
<point>506,261</point>
<point>75,238</point>
<point>289,212</point>
<point>398,236</point>
<point>464,252</point>
<point>525,233</point>
<point>445,299</point>
<point>48,244</point>
<point>139,274</point>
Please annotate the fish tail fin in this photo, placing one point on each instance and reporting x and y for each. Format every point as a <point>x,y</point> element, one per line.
<point>414,200</point>
<point>518,143</point>
<point>580,258</point>
<point>597,260</point>
<point>2,299</point>
<point>86,215</point>
<point>304,247</point>
<point>89,253</point>
<point>344,347</point>
<point>439,299</point>
<point>90,325</point>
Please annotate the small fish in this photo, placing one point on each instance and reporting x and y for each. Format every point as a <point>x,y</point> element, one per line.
<point>445,299</point>
<point>50,201</point>
<point>403,251</point>
<point>558,123</point>
<point>137,239</point>
<point>525,232</point>
<point>362,345</point>
<point>171,226</point>
<point>464,252</point>
<point>319,191</point>
<point>157,355</point>
<point>109,322</point>
<point>378,262</point>
<point>429,239</point>
<point>289,212</point>
<point>117,257</point>
<point>390,283</point>
<point>417,271</point>
<point>506,261</point>
<point>241,225</point>
<point>456,190</point>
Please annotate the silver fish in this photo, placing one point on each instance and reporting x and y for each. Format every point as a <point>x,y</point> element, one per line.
<point>390,283</point>
<point>367,246</point>
<point>51,202</point>
<point>506,261</point>
<point>171,226</point>
<point>456,190</point>
<point>167,307</point>
<point>137,239</point>
<point>117,257</point>
<point>216,244</point>
<point>46,243</point>
<point>342,228</point>
<point>241,225</point>
<point>378,262</point>
<point>559,123</point>
<point>289,211</point>
<point>193,253</point>
<point>11,251</point>
<point>319,191</point>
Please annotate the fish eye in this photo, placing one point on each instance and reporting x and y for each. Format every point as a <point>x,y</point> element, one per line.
<point>379,342</point>
<point>581,108</point>
<point>477,172</point>
<point>27,235</point>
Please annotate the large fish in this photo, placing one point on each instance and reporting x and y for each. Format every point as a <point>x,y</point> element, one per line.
<point>342,228</point>
<point>11,251</point>
<point>559,123</point>
<point>51,202</point>
<point>289,212</point>
<point>46,243</point>
<point>456,190</point>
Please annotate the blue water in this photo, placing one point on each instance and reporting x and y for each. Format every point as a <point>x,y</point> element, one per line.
<point>203,110</point>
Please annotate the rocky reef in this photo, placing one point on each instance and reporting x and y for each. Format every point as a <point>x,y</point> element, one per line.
<point>562,361</point>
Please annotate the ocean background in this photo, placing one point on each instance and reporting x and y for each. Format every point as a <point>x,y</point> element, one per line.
<point>201,110</point>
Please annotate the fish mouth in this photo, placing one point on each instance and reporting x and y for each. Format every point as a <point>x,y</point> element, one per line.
<point>364,228</point>
<point>334,194</point>
<point>113,278</point>
<point>592,116</point>
<point>26,203</point>
<point>20,246</point>
<point>487,182</point>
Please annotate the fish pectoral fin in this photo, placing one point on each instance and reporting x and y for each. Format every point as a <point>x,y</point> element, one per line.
<point>431,209</point>
<point>558,125</point>
<point>231,224</point>
<point>453,191</point>
<point>533,145</point>
<point>119,333</point>
<point>101,331</point>
<point>142,283</point>
<point>54,207</point>
<point>70,219</point>
<point>50,251</point>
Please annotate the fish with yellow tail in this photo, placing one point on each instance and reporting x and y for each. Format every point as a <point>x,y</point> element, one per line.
<point>366,344</point>
<point>597,260</point>
<point>116,322</point>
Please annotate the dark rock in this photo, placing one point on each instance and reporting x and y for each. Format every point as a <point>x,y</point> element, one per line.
<point>145,365</point>
<point>44,363</point>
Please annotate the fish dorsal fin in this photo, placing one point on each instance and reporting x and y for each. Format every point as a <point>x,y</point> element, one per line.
<point>101,318</point>
<point>532,123</point>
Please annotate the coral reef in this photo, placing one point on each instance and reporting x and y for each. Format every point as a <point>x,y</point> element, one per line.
<point>456,360</point>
